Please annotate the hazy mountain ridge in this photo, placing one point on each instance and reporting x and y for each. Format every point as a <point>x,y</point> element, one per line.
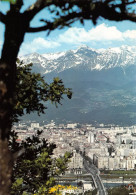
<point>103,84</point>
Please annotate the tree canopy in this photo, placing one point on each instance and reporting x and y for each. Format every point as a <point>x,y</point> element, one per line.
<point>118,190</point>
<point>68,11</point>
<point>32,92</point>
<point>35,168</point>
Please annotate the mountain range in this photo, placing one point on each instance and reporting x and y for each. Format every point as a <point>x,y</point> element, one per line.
<point>103,82</point>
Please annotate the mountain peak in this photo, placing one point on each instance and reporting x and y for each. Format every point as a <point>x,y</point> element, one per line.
<point>83,47</point>
<point>84,58</point>
<point>53,56</point>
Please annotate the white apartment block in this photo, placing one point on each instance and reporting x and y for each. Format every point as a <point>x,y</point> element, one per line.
<point>115,163</point>
<point>76,163</point>
<point>35,125</point>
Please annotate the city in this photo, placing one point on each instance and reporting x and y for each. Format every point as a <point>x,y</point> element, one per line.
<point>108,147</point>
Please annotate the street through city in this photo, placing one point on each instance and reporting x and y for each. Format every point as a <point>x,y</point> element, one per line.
<point>93,170</point>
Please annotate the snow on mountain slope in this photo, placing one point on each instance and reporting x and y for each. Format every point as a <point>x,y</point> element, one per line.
<point>84,57</point>
<point>53,56</point>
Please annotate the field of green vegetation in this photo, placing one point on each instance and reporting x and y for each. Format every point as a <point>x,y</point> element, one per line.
<point>118,173</point>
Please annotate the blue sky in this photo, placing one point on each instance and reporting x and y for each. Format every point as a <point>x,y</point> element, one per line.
<point>104,35</point>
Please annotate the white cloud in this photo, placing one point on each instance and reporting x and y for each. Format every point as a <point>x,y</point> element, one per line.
<point>38,44</point>
<point>131,34</point>
<point>103,32</point>
<point>99,33</point>
<point>73,35</point>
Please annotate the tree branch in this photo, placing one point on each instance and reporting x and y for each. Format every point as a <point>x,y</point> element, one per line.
<point>16,7</point>
<point>123,4</point>
<point>41,4</point>
<point>37,29</point>
<point>110,13</point>
<point>86,9</point>
<point>102,10</point>
<point>2,18</point>
<point>57,23</point>
<point>36,8</point>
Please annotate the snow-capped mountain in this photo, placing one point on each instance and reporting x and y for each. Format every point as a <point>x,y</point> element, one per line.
<point>84,57</point>
<point>103,83</point>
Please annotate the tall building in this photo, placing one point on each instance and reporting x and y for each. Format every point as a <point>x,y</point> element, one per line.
<point>76,163</point>
<point>35,125</point>
<point>91,138</point>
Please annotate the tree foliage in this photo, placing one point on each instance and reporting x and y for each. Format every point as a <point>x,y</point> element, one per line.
<point>35,169</point>
<point>94,192</point>
<point>111,150</point>
<point>10,1</point>
<point>118,191</point>
<point>32,92</point>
